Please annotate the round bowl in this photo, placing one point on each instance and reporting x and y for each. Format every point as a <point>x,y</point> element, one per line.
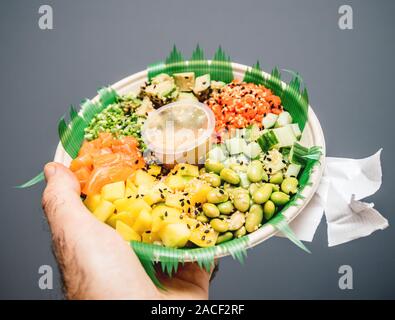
<point>312,136</point>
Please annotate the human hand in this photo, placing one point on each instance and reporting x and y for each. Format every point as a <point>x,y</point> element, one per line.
<point>95,262</point>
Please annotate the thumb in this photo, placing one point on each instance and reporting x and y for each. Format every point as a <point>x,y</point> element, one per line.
<point>61,198</point>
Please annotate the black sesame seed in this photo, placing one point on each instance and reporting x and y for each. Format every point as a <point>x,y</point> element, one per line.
<point>206,231</point>
<point>203,238</point>
<point>221,191</point>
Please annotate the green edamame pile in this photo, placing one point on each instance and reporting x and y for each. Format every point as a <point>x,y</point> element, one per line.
<point>243,197</point>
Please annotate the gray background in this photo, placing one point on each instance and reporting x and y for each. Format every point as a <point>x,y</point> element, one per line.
<point>94,43</point>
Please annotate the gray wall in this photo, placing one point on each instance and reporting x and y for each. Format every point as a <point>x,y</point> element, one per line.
<point>95,42</point>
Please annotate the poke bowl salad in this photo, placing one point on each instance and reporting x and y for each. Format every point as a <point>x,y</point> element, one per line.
<point>184,161</point>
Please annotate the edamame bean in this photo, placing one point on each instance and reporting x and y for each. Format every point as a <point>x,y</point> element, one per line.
<point>254,218</point>
<point>219,225</point>
<point>212,179</point>
<point>240,232</point>
<point>289,185</point>
<point>269,209</point>
<point>262,194</point>
<point>202,218</point>
<point>229,176</point>
<point>276,178</point>
<point>224,237</point>
<point>226,207</point>
<point>241,201</point>
<point>254,187</point>
<point>255,172</point>
<point>279,198</point>
<point>213,166</point>
<point>210,210</point>
<point>238,167</point>
<point>275,187</point>
<point>217,196</point>
<point>223,216</point>
<point>236,221</point>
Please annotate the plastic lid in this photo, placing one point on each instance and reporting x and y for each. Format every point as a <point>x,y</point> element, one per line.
<point>178,127</point>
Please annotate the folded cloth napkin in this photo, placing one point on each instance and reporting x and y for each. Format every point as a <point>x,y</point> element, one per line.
<point>345,181</point>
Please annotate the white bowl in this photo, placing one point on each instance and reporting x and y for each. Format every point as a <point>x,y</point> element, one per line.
<point>312,136</point>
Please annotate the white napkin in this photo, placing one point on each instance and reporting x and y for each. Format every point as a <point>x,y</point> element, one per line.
<point>344,182</point>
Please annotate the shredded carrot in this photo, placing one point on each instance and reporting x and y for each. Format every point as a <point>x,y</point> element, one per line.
<point>240,104</point>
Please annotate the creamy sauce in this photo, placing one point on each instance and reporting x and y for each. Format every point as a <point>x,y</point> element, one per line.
<point>176,128</point>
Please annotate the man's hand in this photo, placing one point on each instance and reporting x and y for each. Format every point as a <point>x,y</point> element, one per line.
<point>96,263</point>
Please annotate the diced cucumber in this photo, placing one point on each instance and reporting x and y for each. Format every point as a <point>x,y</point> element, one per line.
<point>229,161</point>
<point>283,119</point>
<point>285,136</point>
<point>244,182</point>
<point>297,153</point>
<point>293,170</point>
<point>252,133</point>
<point>296,129</point>
<point>235,145</point>
<point>268,141</point>
<point>217,154</point>
<point>269,120</point>
<point>240,133</point>
<point>242,159</point>
<point>252,150</point>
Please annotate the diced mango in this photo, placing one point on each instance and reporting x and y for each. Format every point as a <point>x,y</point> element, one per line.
<point>131,191</point>
<point>140,178</point>
<point>175,235</point>
<point>179,201</point>
<point>176,183</point>
<point>198,191</point>
<point>131,205</point>
<point>162,215</point>
<point>113,191</point>
<point>204,236</point>
<point>124,216</point>
<point>92,202</point>
<point>154,170</point>
<point>143,222</point>
<point>150,237</point>
<point>126,232</point>
<point>104,210</point>
<point>185,169</point>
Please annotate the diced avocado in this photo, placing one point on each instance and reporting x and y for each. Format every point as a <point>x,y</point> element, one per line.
<point>161,78</point>
<point>202,87</point>
<point>187,96</point>
<point>217,85</point>
<point>145,107</point>
<point>161,90</point>
<point>185,81</point>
